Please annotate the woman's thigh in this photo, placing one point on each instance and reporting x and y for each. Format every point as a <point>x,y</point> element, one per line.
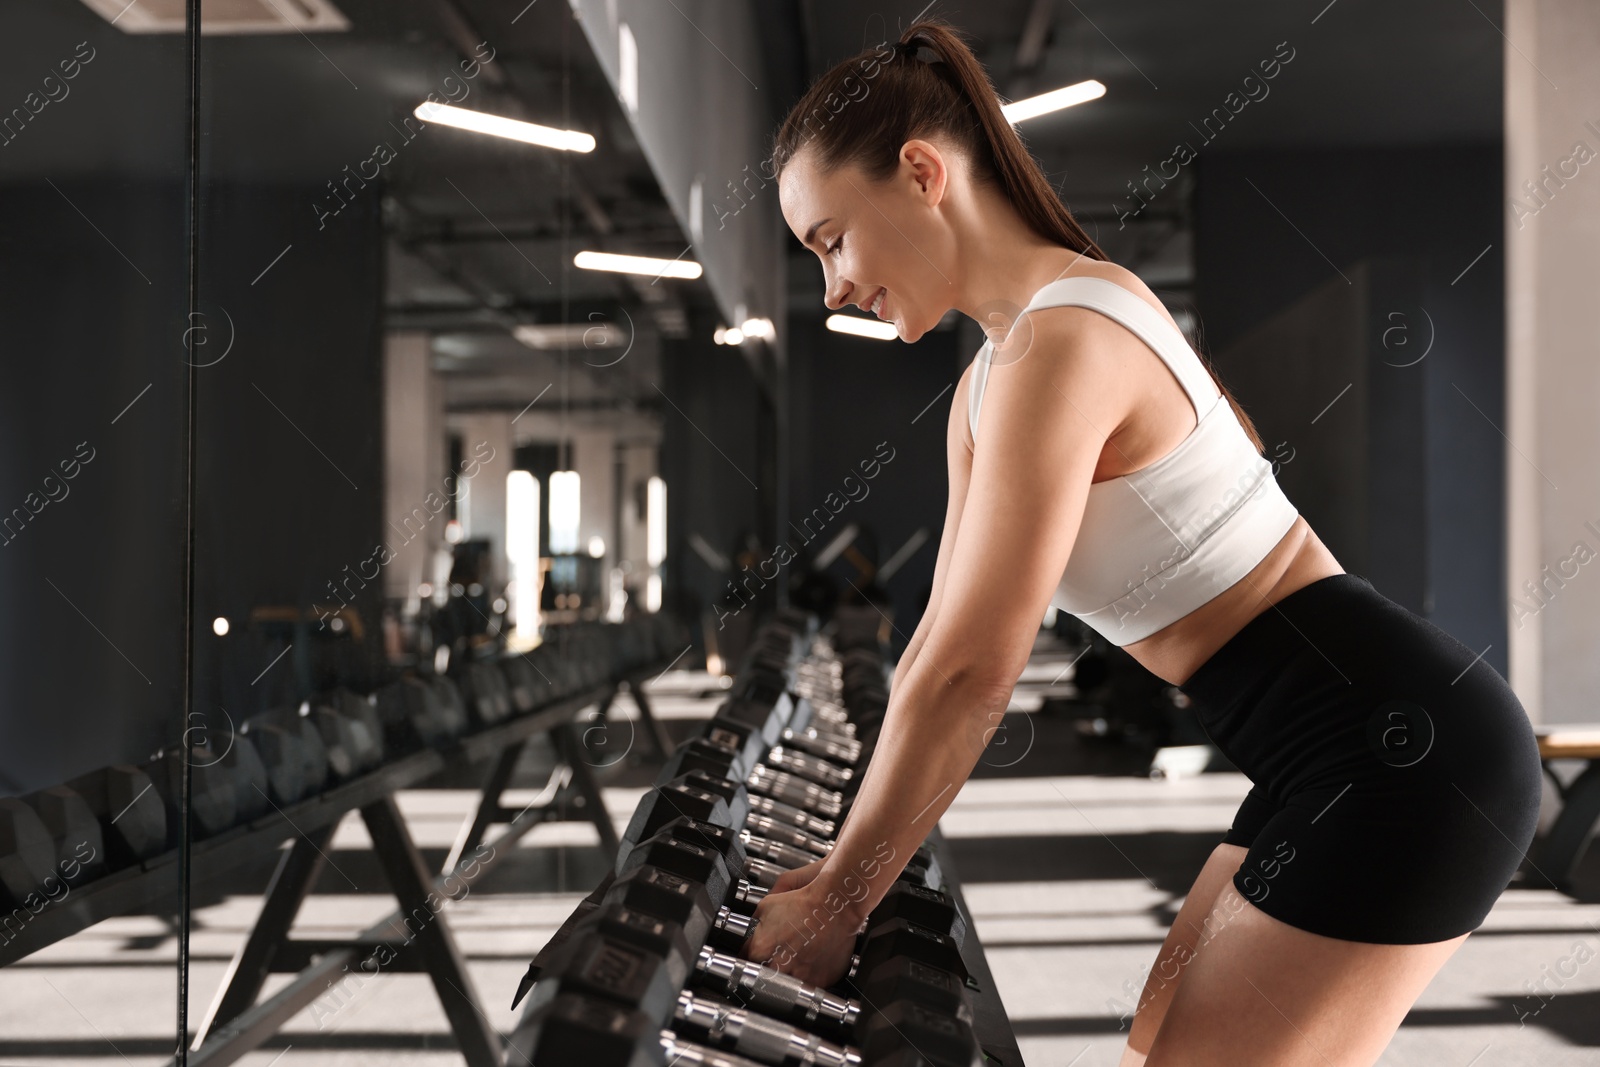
<point>1262,992</point>
<point>1189,931</point>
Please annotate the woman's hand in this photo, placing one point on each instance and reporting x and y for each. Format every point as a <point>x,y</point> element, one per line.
<point>798,878</point>
<point>796,933</point>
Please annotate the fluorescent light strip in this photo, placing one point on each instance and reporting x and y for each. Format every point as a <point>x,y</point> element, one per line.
<point>1054,100</point>
<point>860,327</point>
<point>661,268</point>
<point>499,126</point>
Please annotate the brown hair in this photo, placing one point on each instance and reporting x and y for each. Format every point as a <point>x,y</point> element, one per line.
<point>847,121</point>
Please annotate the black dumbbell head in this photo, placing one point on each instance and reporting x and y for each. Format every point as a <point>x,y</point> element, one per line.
<point>899,938</point>
<point>904,978</point>
<point>586,1031</point>
<point>928,908</point>
<point>667,802</point>
<point>133,823</point>
<point>592,964</point>
<point>664,895</point>
<point>906,1033</point>
<point>73,829</point>
<point>27,852</point>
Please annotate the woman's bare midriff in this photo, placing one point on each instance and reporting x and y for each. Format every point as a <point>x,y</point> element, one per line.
<point>1177,651</point>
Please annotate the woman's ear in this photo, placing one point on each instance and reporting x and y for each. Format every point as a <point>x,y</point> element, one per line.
<point>928,167</point>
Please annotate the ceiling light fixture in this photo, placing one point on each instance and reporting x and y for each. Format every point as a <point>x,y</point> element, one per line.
<point>1054,100</point>
<point>860,327</point>
<point>661,268</point>
<point>500,126</point>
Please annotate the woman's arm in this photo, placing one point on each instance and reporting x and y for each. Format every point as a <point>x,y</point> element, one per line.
<point>958,451</point>
<point>1046,419</point>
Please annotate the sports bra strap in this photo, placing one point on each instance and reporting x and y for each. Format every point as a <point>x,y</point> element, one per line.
<point>1109,298</point>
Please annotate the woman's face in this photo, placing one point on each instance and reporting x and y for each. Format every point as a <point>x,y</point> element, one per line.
<point>877,239</point>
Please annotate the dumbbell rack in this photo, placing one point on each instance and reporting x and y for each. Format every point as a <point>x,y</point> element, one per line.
<point>235,1023</point>
<point>646,970</point>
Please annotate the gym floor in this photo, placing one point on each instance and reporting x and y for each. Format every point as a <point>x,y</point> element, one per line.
<point>1073,864</point>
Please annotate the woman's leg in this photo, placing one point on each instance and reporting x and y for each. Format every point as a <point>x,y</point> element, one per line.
<point>1264,992</point>
<point>1188,930</point>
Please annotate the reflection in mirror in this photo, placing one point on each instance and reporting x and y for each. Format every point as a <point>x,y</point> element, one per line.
<point>94,274</point>
<point>428,437</point>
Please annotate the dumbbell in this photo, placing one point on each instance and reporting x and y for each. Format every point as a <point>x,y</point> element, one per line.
<point>413,716</point>
<point>706,853</point>
<point>133,823</point>
<point>720,752</point>
<point>244,766</point>
<point>930,909</point>
<point>770,991</point>
<point>681,796</point>
<point>73,829</point>
<point>688,858</point>
<point>907,978</point>
<point>573,1029</point>
<point>765,859</point>
<point>666,938</point>
<point>27,853</point>
<point>796,792</point>
<point>759,804</point>
<point>594,964</point>
<point>354,744</point>
<point>213,791</point>
<point>746,1032</point>
<point>664,895</point>
<point>362,709</point>
<point>812,768</point>
<point>909,1034</point>
<point>720,802</point>
<point>522,683</point>
<point>486,694</point>
<point>600,1033</point>
<point>450,706</point>
<point>293,752</point>
<point>901,939</point>
<point>640,960</point>
<point>681,1053</point>
<point>745,720</point>
<point>835,747</point>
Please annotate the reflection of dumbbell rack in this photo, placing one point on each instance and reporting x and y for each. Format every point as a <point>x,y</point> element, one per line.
<point>647,969</point>
<point>293,774</point>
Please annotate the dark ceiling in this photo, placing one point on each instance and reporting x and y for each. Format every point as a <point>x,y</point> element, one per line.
<point>483,230</point>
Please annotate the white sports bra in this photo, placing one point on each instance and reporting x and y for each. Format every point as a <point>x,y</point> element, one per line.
<point>1156,544</point>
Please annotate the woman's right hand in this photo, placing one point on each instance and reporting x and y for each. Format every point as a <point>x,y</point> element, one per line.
<point>798,878</point>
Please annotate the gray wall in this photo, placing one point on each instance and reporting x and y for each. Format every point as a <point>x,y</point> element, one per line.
<point>92,564</point>
<point>290,482</point>
<point>1345,278</point>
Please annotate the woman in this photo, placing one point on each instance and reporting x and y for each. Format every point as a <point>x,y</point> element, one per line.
<point>1396,777</point>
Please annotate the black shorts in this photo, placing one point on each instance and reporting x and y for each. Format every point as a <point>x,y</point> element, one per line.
<point>1396,775</point>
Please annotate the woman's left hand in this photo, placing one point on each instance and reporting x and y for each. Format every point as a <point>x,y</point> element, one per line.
<point>798,934</point>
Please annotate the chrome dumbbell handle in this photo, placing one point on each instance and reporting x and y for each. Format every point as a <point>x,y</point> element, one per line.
<point>768,1040</point>
<point>796,817</point>
<point>768,989</point>
<point>796,791</point>
<point>690,1054</point>
<point>828,746</point>
<point>734,922</point>
<point>803,765</point>
<point>761,873</point>
<point>785,856</point>
<point>786,833</point>
<point>746,892</point>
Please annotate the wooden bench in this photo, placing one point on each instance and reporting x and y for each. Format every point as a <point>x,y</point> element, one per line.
<point>1562,848</point>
